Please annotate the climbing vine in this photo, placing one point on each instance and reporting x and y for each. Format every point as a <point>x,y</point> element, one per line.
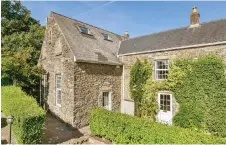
<point>139,74</point>
<point>199,86</point>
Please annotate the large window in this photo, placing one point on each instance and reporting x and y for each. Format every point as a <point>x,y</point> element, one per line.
<point>106,100</point>
<point>58,89</point>
<point>165,102</point>
<point>161,69</point>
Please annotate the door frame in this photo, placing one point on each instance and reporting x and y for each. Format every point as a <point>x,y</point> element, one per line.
<point>171,106</point>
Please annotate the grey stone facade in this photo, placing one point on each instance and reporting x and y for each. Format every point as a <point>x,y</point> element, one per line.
<point>90,65</point>
<point>129,60</point>
<point>82,83</point>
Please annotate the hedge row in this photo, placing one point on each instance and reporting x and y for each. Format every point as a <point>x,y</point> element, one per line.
<point>125,129</point>
<point>28,116</point>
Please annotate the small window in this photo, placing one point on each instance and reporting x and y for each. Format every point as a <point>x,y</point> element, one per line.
<point>84,30</point>
<point>58,89</point>
<point>106,100</point>
<point>107,37</point>
<point>161,69</point>
<point>165,102</point>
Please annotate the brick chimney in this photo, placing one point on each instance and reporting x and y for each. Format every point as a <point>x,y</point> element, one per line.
<point>126,35</point>
<point>194,17</point>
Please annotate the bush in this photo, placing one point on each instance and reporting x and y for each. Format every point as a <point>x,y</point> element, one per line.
<point>125,129</point>
<point>28,116</point>
<point>139,74</point>
<point>201,95</point>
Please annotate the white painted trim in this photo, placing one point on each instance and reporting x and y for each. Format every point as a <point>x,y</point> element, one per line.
<point>122,91</point>
<point>155,69</point>
<point>110,101</point>
<point>175,48</point>
<point>171,104</point>
<point>57,104</point>
<point>123,81</point>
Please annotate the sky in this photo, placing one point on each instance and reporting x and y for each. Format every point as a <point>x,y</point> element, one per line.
<point>138,18</point>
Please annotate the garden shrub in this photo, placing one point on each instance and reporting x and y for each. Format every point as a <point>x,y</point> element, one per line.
<point>29,118</point>
<point>125,129</point>
<point>199,86</point>
<point>202,95</point>
<point>139,74</point>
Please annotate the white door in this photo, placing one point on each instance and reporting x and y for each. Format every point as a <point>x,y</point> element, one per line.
<point>165,113</point>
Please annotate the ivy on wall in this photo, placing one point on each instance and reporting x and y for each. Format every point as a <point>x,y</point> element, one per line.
<point>139,74</point>
<point>199,86</point>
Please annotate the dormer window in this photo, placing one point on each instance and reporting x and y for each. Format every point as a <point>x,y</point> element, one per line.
<point>107,37</point>
<point>84,30</point>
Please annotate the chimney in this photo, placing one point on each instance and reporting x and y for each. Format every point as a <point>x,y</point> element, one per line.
<point>194,17</point>
<point>126,35</point>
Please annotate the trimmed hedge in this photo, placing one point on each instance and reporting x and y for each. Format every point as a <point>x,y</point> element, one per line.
<point>125,129</point>
<point>28,116</point>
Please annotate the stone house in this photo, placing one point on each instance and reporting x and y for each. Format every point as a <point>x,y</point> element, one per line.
<point>82,69</point>
<point>87,66</point>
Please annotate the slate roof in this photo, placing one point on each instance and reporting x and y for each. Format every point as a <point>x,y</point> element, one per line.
<point>87,48</point>
<point>208,32</point>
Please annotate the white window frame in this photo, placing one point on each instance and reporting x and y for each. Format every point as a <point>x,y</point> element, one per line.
<point>108,38</point>
<point>159,100</point>
<point>58,89</point>
<point>109,100</point>
<point>89,32</point>
<point>156,69</point>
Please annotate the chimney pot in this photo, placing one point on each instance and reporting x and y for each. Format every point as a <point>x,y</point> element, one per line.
<point>126,34</point>
<point>194,17</point>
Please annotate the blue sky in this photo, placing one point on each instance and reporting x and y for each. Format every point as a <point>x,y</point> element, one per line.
<point>138,18</point>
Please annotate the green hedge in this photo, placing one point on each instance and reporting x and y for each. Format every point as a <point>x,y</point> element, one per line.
<point>28,116</point>
<point>125,129</point>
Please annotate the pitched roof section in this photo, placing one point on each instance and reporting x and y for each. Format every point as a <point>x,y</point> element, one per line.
<point>89,48</point>
<point>209,32</point>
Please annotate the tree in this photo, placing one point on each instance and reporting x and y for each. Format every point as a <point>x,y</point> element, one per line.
<point>22,38</point>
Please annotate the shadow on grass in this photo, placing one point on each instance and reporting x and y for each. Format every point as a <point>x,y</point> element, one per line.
<point>3,122</point>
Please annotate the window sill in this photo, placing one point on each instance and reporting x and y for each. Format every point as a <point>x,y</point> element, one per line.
<point>108,40</point>
<point>87,34</point>
<point>58,105</point>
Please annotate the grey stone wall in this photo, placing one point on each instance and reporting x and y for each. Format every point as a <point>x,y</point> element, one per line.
<point>129,60</point>
<point>90,81</point>
<point>56,58</point>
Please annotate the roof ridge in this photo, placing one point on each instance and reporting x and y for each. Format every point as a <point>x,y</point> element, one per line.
<point>85,23</point>
<point>173,29</point>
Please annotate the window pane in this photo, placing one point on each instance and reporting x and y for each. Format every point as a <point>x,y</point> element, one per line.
<point>83,29</point>
<point>167,108</point>
<point>161,107</point>
<point>58,88</point>
<point>58,96</point>
<point>105,36</point>
<point>105,99</point>
<point>162,67</point>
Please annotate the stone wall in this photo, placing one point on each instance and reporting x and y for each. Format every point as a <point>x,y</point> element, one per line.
<point>129,60</point>
<point>90,82</point>
<point>56,58</point>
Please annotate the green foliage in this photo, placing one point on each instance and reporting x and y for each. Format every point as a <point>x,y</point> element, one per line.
<point>29,118</point>
<point>202,95</point>
<point>22,38</point>
<point>139,74</point>
<point>125,129</point>
<point>199,87</point>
